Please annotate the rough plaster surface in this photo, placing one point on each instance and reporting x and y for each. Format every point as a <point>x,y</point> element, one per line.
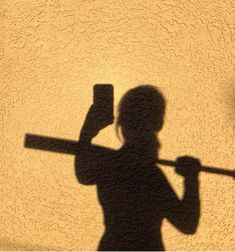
<point>51,54</point>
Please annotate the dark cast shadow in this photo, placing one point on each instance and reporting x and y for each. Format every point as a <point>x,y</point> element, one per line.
<point>133,192</point>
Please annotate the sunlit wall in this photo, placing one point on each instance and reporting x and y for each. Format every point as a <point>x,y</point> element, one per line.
<point>52,53</point>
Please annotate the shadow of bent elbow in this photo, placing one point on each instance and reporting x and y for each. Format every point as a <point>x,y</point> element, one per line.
<point>190,228</point>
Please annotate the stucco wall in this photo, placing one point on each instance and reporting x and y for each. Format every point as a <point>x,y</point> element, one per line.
<point>53,52</point>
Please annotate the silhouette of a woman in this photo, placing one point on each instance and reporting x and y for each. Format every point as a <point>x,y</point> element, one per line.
<point>134,193</point>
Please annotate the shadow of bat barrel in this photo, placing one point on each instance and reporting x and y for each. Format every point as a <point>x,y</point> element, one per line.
<point>72,147</point>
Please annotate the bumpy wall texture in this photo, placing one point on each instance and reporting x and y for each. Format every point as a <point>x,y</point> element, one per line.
<point>52,53</point>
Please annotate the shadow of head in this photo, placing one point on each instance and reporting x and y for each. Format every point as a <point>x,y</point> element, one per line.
<point>141,112</point>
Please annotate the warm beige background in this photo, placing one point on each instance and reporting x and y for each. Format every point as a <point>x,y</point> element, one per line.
<point>51,54</point>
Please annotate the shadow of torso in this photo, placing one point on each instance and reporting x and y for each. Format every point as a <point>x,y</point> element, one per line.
<point>134,194</point>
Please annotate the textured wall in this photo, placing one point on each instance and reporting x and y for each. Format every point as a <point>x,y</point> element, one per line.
<point>51,54</point>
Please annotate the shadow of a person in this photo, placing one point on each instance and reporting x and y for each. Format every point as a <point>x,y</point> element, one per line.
<point>133,192</point>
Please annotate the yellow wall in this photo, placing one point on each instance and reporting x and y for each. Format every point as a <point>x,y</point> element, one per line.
<point>52,53</point>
